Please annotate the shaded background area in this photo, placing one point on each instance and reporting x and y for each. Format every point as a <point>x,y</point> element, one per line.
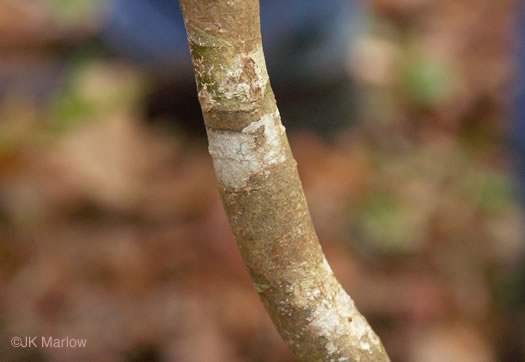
<point>111,228</point>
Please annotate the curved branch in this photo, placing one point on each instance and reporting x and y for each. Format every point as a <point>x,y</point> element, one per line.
<point>261,190</point>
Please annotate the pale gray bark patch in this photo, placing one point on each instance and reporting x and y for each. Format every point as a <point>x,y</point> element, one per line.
<point>335,317</point>
<point>237,156</point>
<point>230,81</point>
<point>234,86</point>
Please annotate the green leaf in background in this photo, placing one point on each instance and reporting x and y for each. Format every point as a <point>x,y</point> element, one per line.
<point>388,225</point>
<point>425,81</point>
<point>491,190</point>
<point>74,11</point>
<point>94,90</point>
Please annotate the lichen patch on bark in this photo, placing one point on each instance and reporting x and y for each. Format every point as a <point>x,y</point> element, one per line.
<point>333,315</point>
<point>239,82</point>
<point>247,75</point>
<point>237,156</point>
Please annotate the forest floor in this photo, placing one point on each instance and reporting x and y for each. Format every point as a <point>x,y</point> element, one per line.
<point>111,228</point>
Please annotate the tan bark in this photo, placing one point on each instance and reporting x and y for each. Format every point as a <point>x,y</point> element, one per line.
<point>261,190</point>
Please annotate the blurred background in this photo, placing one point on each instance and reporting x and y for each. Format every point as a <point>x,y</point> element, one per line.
<point>404,116</point>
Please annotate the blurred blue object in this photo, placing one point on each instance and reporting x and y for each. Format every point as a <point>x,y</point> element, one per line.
<point>146,31</point>
<point>306,44</point>
<point>302,38</point>
<point>517,128</point>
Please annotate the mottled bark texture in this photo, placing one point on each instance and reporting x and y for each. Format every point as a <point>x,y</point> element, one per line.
<point>261,190</point>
